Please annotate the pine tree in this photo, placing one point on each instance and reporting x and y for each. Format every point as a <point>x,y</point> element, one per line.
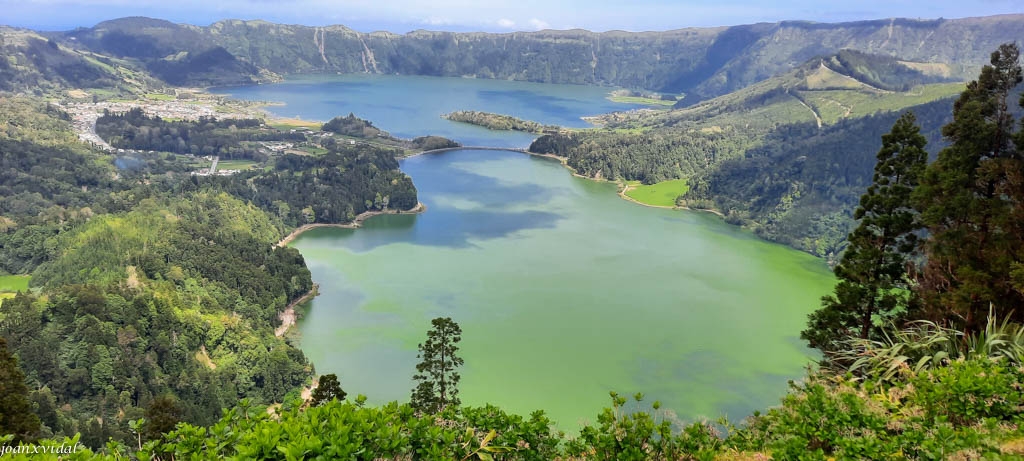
<point>970,200</point>
<point>327,388</point>
<point>872,273</point>
<point>436,376</point>
<point>16,416</point>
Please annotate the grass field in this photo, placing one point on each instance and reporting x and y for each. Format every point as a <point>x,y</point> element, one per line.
<point>293,123</point>
<point>833,105</point>
<point>661,194</point>
<point>13,283</point>
<point>159,97</point>
<point>235,164</point>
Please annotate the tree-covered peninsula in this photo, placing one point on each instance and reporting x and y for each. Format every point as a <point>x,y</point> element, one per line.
<point>499,121</point>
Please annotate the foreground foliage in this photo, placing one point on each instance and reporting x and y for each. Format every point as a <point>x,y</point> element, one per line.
<point>959,409</point>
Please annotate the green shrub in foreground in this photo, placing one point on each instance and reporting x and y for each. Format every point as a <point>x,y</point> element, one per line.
<point>966,409</point>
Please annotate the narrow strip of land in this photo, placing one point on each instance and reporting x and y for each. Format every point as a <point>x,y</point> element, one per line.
<point>449,149</point>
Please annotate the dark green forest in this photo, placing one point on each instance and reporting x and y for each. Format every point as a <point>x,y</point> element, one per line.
<point>332,188</point>
<point>498,121</point>
<point>227,138</point>
<point>799,188</point>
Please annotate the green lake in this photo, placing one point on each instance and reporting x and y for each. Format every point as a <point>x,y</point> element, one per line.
<point>563,290</point>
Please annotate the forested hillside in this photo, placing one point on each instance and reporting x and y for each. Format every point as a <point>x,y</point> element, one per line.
<point>36,64</point>
<point>701,63</point>
<point>156,294</point>
<point>799,187</point>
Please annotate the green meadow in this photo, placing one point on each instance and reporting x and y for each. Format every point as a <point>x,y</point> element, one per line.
<point>235,164</point>
<point>14,283</point>
<point>11,284</point>
<point>661,194</point>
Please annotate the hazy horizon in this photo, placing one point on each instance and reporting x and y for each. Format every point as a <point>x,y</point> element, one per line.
<point>502,16</point>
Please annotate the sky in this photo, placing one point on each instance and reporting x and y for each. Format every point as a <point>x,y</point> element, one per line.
<point>490,15</point>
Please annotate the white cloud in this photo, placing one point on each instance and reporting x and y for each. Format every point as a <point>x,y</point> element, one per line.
<point>436,21</point>
<point>538,24</point>
<point>506,23</point>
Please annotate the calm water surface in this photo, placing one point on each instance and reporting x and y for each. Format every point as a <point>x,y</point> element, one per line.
<point>563,290</point>
<point>407,106</point>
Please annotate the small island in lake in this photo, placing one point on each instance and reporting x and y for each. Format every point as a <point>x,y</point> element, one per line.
<point>364,131</point>
<point>502,122</point>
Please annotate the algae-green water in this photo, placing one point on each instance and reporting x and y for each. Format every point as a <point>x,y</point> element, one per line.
<point>563,290</point>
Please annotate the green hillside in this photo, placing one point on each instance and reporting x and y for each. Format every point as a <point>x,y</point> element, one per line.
<point>30,62</point>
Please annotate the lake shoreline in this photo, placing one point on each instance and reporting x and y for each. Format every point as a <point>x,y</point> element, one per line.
<point>288,317</point>
<point>355,224</point>
<point>623,187</point>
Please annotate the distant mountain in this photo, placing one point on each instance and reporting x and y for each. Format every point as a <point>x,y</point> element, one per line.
<point>30,61</point>
<point>700,62</point>
<point>823,90</point>
<point>176,54</point>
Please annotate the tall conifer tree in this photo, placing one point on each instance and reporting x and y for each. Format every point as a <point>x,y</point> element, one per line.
<point>970,200</point>
<point>436,376</point>
<point>872,273</point>
<point>16,416</point>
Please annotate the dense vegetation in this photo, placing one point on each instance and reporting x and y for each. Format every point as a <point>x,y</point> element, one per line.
<point>356,127</point>
<point>650,156</point>
<point>800,186</point>
<point>331,188</point>
<point>967,201</point>
<point>51,183</point>
<point>156,294</point>
<point>228,138</point>
<point>874,287</point>
<point>498,121</point>
<point>353,126</point>
<point>967,409</point>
